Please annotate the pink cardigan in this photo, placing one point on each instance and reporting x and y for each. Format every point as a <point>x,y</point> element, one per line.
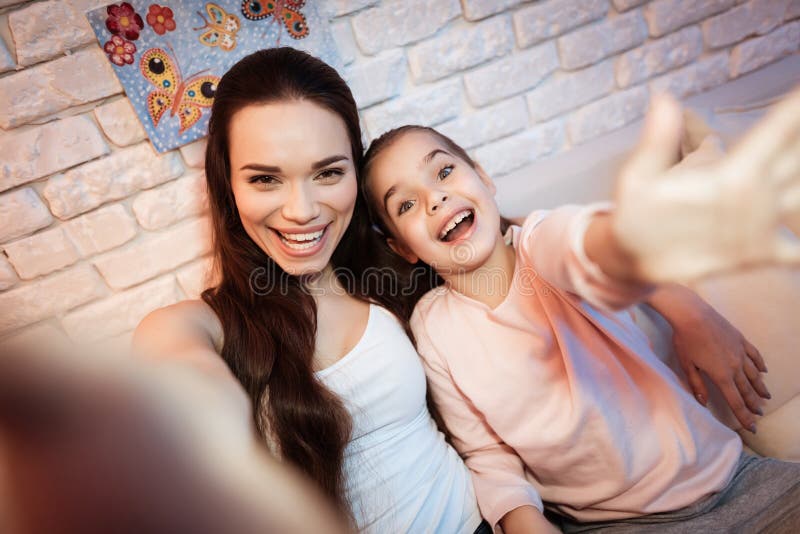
<point>549,397</point>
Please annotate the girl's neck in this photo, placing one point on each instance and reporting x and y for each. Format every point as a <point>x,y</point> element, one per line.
<point>490,282</point>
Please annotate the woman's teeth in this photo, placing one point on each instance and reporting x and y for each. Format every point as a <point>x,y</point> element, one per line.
<point>460,216</point>
<point>301,241</point>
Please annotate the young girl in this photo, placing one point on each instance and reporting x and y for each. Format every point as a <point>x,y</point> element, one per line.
<point>548,393</point>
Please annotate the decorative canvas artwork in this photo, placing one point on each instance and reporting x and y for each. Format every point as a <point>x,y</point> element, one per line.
<point>169,56</point>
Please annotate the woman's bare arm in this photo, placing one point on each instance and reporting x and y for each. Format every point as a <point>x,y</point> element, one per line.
<point>190,332</point>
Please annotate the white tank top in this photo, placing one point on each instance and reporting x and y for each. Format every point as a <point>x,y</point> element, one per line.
<point>401,475</point>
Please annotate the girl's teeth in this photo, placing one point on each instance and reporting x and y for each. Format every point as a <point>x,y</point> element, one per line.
<point>453,223</point>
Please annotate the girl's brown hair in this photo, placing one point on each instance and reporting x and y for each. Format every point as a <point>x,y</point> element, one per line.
<point>270,326</point>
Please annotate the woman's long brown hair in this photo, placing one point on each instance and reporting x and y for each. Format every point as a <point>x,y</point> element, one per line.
<point>268,319</point>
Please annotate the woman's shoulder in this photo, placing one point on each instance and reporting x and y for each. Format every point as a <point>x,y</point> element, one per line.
<point>185,322</point>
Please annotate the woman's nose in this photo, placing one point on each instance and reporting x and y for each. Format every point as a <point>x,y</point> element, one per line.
<point>300,206</point>
<point>435,201</point>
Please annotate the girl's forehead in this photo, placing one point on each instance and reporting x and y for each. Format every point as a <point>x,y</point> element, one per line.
<point>407,152</point>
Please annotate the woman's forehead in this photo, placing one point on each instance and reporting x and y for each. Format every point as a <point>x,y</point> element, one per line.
<point>285,131</point>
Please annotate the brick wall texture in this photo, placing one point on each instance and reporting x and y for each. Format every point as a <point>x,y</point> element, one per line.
<point>96,229</point>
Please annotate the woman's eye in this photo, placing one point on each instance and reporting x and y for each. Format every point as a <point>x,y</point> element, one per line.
<point>329,175</point>
<point>404,207</point>
<point>264,179</point>
<point>445,171</point>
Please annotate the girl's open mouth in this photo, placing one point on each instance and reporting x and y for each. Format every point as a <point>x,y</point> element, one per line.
<point>458,226</point>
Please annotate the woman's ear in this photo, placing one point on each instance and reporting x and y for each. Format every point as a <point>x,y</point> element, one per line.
<point>400,248</point>
<point>485,178</point>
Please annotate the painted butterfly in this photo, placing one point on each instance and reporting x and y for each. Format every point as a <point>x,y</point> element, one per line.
<point>285,11</point>
<point>222,28</point>
<point>182,98</point>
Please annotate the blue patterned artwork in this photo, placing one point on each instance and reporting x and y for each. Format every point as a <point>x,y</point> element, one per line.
<point>169,56</point>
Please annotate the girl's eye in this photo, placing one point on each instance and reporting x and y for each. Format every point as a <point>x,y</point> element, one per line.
<point>264,179</point>
<point>330,175</point>
<point>445,171</point>
<point>404,207</point>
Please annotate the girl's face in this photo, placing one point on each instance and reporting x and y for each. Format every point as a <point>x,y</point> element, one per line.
<point>294,181</point>
<point>437,207</point>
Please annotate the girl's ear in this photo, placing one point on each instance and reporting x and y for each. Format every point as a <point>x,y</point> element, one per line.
<point>485,178</point>
<point>400,248</point>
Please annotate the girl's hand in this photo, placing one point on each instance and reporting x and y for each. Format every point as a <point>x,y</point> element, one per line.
<point>705,341</point>
<point>686,222</point>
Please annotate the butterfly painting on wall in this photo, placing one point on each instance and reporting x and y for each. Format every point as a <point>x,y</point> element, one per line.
<point>286,12</point>
<point>222,28</point>
<point>169,65</point>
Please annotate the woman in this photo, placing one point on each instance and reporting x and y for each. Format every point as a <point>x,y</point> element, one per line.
<point>346,401</point>
<point>298,307</point>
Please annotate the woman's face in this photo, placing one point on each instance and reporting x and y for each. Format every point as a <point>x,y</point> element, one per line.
<point>294,181</point>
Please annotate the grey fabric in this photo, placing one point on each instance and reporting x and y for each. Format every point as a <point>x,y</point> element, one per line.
<point>763,496</point>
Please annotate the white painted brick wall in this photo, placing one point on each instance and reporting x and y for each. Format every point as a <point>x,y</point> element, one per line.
<point>460,47</point>
<point>511,75</point>
<point>96,229</point>
<point>32,153</point>
<point>664,16</point>
<point>601,39</point>
<point>551,18</point>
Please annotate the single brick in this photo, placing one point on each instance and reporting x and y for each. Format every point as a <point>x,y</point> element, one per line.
<point>506,155</point>
<point>624,5</point>
<point>704,74</point>
<point>162,206</point>
<point>194,154</point>
<point>47,297</point>
<point>459,48</point>
<point>608,114</point>
<point>41,253</point>
<point>757,52</point>
<point>428,106</point>
<point>121,312</point>
<point>674,50</point>
<point>46,29</point>
<point>82,77</point>
<point>8,276</point>
<point>665,16</point>
<point>396,23</point>
<point>195,277</point>
<point>511,75</point>
<point>345,41</point>
<point>487,124</point>
<point>119,122</point>
<point>22,212</point>
<point>101,230</point>
<point>155,254</point>
<point>602,39</point>
<point>58,145</point>
<point>756,17</point>
<point>480,9</point>
<point>110,178</point>
<point>568,90</point>
<point>551,18</point>
<point>377,79</point>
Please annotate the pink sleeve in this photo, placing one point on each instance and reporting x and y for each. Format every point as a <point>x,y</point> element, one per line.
<point>498,474</point>
<point>552,242</point>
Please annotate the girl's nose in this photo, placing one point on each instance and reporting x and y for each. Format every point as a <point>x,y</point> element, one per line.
<point>300,206</point>
<point>436,200</point>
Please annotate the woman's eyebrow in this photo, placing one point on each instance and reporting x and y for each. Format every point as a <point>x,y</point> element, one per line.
<point>314,166</point>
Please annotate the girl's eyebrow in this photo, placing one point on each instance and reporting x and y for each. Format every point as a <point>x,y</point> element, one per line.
<point>314,166</point>
<point>389,193</point>
<point>429,157</point>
